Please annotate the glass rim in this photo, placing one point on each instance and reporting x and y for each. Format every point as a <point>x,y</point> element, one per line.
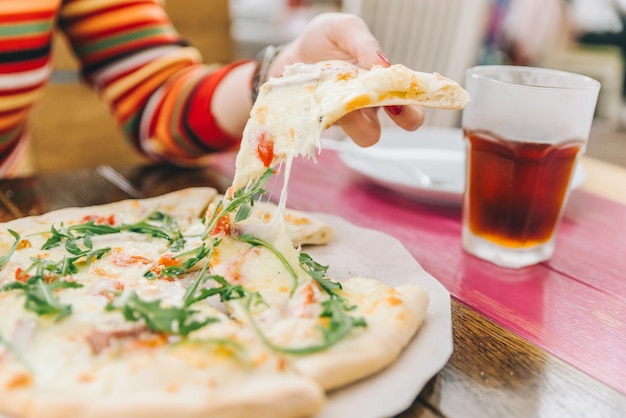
<point>481,72</point>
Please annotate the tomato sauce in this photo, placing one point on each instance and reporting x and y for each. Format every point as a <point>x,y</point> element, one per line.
<point>265,149</point>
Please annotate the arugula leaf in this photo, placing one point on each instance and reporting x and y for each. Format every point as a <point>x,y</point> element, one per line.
<point>176,271</point>
<point>340,325</point>
<point>226,291</point>
<point>179,320</point>
<point>95,254</point>
<point>241,203</point>
<point>40,297</point>
<point>143,227</point>
<point>243,213</point>
<point>318,273</point>
<point>67,265</point>
<point>39,288</point>
<point>178,241</point>
<point>157,224</point>
<point>188,297</point>
<point>72,247</point>
<point>169,224</point>
<point>5,258</point>
<point>250,239</point>
<point>92,228</point>
<point>87,229</point>
<point>55,239</point>
<point>335,310</point>
<point>169,320</point>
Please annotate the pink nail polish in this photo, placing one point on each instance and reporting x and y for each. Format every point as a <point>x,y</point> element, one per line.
<point>394,110</point>
<point>383,57</point>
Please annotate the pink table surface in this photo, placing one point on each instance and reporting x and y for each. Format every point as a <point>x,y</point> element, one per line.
<point>573,306</point>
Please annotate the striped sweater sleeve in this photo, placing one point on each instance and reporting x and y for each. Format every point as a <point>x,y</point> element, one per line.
<point>155,84</point>
<point>25,42</point>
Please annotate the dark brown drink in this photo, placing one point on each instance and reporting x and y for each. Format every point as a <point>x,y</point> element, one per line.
<point>517,188</point>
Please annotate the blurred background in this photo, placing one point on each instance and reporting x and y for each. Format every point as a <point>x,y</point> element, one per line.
<point>445,36</point>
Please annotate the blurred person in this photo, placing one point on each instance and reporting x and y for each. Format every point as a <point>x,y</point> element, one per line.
<point>171,106</point>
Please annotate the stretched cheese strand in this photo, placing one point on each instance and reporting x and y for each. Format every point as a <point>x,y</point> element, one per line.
<point>284,124</point>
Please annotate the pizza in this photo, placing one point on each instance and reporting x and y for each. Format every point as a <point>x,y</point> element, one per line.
<point>197,304</point>
<point>113,310</point>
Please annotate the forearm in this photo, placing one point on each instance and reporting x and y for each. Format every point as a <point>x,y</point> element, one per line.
<point>231,100</point>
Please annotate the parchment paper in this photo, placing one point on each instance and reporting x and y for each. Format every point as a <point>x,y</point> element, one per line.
<point>356,251</point>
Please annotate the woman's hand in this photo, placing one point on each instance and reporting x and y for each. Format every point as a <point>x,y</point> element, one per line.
<point>346,37</point>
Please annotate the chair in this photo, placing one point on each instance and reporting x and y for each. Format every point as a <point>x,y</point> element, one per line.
<point>443,36</point>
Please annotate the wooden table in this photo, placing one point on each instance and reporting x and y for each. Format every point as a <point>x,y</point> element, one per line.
<point>549,340</point>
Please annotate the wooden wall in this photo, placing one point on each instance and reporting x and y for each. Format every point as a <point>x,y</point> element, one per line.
<point>72,128</point>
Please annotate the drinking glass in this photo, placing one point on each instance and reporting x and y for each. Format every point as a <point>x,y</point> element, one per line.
<point>524,129</point>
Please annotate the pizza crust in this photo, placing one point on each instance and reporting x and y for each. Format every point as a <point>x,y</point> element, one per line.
<point>393,316</point>
<point>270,398</point>
<point>186,205</point>
<point>177,391</point>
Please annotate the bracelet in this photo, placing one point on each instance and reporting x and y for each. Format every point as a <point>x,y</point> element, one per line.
<point>264,59</point>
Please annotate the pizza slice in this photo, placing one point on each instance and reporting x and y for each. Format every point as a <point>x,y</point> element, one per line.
<point>334,332</point>
<point>390,319</point>
<point>291,112</point>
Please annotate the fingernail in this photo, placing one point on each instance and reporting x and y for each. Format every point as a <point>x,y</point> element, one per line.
<point>383,57</point>
<point>394,110</point>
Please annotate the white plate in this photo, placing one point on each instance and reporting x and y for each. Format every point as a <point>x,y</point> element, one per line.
<point>357,251</point>
<point>437,152</point>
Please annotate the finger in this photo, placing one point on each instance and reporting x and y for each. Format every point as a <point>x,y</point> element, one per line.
<point>406,117</point>
<point>351,34</point>
<point>362,126</point>
<point>338,36</point>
